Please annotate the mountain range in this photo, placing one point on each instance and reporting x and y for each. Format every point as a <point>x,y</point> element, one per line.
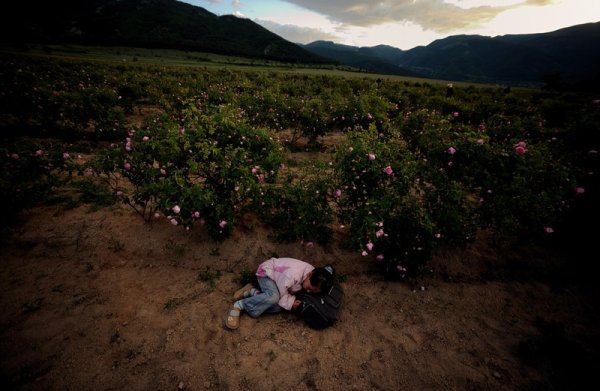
<point>570,54</point>
<point>144,23</point>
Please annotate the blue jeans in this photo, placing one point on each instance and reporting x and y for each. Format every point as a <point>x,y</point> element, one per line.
<point>265,301</point>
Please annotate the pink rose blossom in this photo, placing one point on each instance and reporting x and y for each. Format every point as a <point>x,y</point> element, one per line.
<point>66,155</point>
<point>197,215</point>
<point>127,166</point>
<point>338,193</point>
<point>548,230</point>
<point>146,138</point>
<point>364,253</point>
<point>480,141</point>
<point>388,170</point>
<point>39,152</point>
<point>379,233</point>
<point>176,209</point>
<point>350,149</point>
<point>371,156</point>
<point>119,193</point>
<point>370,246</point>
<point>223,224</point>
<point>174,222</point>
<point>451,151</point>
<point>579,190</point>
<point>156,215</point>
<point>380,257</point>
<point>521,147</point>
<point>163,171</point>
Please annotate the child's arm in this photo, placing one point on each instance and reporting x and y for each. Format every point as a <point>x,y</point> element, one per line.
<point>287,300</point>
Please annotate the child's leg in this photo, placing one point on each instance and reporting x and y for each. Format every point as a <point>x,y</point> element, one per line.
<point>268,298</point>
<point>247,291</point>
<point>274,309</point>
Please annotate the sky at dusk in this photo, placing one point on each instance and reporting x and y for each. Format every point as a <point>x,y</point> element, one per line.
<point>404,23</point>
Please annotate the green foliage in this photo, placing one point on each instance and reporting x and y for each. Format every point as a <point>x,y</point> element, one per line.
<point>199,169</point>
<point>395,204</point>
<point>411,171</point>
<point>298,210</point>
<point>25,175</point>
<point>93,192</point>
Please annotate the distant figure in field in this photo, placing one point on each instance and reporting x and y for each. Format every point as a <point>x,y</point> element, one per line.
<point>449,90</point>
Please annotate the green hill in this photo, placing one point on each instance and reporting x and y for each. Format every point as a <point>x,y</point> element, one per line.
<point>370,59</point>
<point>144,23</point>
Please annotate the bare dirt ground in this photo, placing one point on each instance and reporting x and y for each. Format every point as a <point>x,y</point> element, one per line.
<point>97,299</point>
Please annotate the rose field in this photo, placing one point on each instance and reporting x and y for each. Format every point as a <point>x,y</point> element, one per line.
<point>136,197</point>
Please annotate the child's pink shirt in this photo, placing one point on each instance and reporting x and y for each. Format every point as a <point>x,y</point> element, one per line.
<point>288,274</point>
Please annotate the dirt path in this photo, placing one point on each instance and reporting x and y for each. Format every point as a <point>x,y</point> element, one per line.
<point>103,301</point>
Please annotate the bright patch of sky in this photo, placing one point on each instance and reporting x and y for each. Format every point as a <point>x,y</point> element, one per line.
<point>404,23</point>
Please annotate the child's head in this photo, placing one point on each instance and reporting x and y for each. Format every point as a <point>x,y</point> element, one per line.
<point>320,280</point>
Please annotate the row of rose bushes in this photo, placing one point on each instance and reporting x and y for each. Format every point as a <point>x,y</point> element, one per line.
<point>90,100</point>
<point>421,182</point>
<point>416,170</point>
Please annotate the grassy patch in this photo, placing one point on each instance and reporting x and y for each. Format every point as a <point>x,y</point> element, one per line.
<point>173,303</point>
<point>94,193</point>
<point>115,245</point>
<point>176,249</point>
<point>246,276</point>
<point>209,276</point>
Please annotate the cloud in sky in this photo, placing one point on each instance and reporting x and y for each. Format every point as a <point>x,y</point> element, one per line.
<point>297,34</point>
<point>436,15</point>
<point>405,23</point>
